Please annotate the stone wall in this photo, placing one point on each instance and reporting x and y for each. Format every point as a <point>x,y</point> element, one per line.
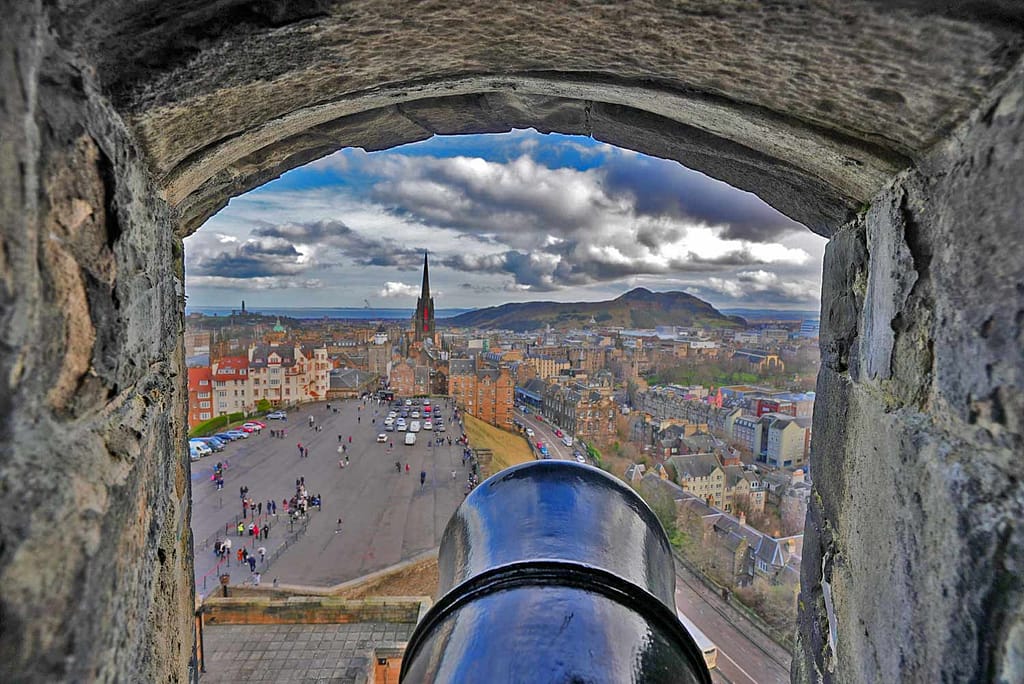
<point>125,124</point>
<point>95,547</point>
<point>914,527</point>
<point>250,610</point>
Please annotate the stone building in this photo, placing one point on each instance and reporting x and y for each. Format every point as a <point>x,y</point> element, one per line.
<point>580,411</point>
<point>701,474</point>
<point>484,393</point>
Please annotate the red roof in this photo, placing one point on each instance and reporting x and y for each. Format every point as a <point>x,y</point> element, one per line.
<point>236,364</point>
<point>197,374</point>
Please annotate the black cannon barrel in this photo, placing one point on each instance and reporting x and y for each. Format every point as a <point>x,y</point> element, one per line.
<point>553,572</point>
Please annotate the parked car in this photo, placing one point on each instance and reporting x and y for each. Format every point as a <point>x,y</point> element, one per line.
<point>567,440</point>
<point>239,434</point>
<point>263,426</point>
<point>415,414</point>
<point>277,415</point>
<point>580,459</point>
<point>410,438</point>
<point>390,427</point>
<point>225,437</point>
<point>439,427</point>
<point>193,452</point>
<point>428,424</point>
<point>559,433</point>
<point>381,438</point>
<point>529,432</point>
<point>202,447</point>
<point>251,427</point>
<point>213,442</point>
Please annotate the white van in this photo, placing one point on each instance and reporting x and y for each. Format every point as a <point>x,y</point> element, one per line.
<point>567,440</point>
<point>410,438</point>
<point>414,426</point>
<point>202,447</point>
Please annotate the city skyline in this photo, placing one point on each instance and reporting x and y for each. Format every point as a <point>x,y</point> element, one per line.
<point>505,218</point>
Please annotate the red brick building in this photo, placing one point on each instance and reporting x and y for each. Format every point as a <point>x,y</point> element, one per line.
<point>200,397</point>
<point>487,394</point>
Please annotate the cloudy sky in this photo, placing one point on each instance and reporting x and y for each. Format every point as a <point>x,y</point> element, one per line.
<point>511,217</point>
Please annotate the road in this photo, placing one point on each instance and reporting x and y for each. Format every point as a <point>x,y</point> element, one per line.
<point>745,655</point>
<point>404,519</point>
<point>543,432</point>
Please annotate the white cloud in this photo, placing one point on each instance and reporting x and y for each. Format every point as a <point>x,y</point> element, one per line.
<point>393,289</point>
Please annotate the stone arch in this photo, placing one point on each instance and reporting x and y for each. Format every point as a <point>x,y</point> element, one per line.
<point>893,128</point>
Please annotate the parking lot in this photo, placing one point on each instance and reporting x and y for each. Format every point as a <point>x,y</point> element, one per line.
<point>387,515</point>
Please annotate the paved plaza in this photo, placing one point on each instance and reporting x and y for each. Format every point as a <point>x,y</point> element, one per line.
<point>387,515</point>
<point>339,653</point>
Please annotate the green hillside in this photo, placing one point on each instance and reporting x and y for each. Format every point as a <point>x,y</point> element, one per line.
<point>639,308</point>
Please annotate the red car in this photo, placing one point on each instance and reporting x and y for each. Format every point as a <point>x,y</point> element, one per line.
<point>558,433</point>
<point>540,445</point>
<point>539,417</point>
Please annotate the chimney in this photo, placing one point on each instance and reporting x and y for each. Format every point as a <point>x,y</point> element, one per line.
<point>743,518</point>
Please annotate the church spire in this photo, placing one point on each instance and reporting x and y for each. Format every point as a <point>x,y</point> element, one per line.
<point>423,321</point>
<point>425,291</point>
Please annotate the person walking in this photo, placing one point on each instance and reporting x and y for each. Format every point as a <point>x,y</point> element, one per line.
<point>259,508</point>
<point>256,577</point>
<point>266,531</point>
<point>337,529</point>
<point>263,553</point>
<point>241,529</point>
<point>453,474</point>
<point>423,477</point>
<point>407,468</point>
<point>273,504</point>
<point>252,563</point>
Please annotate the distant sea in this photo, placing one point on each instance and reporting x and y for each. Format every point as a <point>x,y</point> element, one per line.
<point>772,314</point>
<point>317,313</point>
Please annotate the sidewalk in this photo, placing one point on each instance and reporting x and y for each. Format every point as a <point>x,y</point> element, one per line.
<point>283,533</point>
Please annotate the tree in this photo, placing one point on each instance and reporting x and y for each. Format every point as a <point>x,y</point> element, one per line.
<point>263,405</point>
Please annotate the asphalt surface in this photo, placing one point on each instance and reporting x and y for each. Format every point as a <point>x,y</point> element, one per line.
<point>544,432</point>
<point>387,516</point>
<point>745,655</point>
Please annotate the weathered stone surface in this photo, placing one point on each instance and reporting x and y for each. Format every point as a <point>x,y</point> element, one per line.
<point>915,523</point>
<point>894,126</point>
<point>840,97</point>
<point>95,551</point>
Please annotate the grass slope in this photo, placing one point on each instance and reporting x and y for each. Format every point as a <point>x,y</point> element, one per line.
<point>509,449</point>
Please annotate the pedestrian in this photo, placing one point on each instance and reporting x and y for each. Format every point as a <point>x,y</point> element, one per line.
<point>259,508</point>
<point>263,553</point>
<point>423,477</point>
<point>350,439</point>
<point>241,492</point>
<point>359,419</point>
<point>339,439</point>
<point>226,548</point>
<point>274,505</point>
<point>406,467</point>
<point>275,583</point>
<point>241,529</point>
<point>346,460</point>
<point>338,528</point>
<point>266,531</point>
<point>453,474</point>
<point>398,466</point>
<point>307,452</point>
<point>299,445</point>
<point>256,579</point>
<point>239,555</point>
<point>252,563</point>
<point>302,481</point>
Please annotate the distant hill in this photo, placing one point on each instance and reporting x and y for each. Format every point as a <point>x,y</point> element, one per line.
<point>639,308</point>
